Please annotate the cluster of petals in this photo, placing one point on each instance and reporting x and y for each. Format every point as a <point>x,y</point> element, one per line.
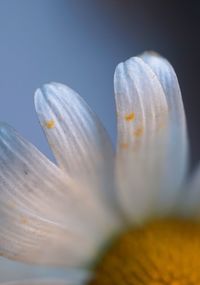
<point>63,214</point>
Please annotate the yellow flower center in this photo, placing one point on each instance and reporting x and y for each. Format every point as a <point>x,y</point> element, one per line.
<point>162,252</point>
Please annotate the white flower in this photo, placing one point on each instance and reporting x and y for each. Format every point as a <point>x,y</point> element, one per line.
<point>96,206</point>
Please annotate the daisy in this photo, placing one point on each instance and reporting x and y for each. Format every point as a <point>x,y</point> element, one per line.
<point>127,217</point>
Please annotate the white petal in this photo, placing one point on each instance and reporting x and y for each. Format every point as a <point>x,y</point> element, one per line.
<point>41,282</point>
<point>178,141</point>
<point>77,138</point>
<point>44,216</point>
<point>144,157</point>
<point>66,279</point>
<point>11,271</point>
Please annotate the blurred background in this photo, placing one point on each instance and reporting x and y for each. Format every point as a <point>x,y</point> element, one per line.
<point>79,43</point>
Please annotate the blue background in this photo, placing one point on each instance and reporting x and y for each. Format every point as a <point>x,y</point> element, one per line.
<point>79,43</point>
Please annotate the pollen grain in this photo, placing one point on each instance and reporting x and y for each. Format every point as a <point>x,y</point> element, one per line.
<point>50,124</point>
<point>124,145</point>
<point>130,117</point>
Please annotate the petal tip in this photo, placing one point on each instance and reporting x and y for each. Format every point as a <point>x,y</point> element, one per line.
<point>44,93</point>
<point>52,89</point>
<point>150,53</point>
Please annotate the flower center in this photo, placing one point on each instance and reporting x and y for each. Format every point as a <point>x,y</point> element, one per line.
<point>159,253</point>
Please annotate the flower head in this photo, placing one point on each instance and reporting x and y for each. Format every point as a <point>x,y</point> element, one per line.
<point>126,215</point>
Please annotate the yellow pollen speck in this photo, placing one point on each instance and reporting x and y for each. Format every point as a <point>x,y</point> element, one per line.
<point>138,132</point>
<point>124,145</point>
<point>162,252</point>
<point>130,117</point>
<point>50,124</point>
<point>24,220</point>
